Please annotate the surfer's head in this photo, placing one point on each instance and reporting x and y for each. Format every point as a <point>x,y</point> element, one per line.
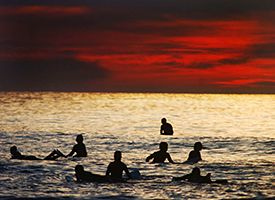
<point>79,138</point>
<point>163,120</point>
<point>163,146</point>
<point>13,150</point>
<point>198,146</point>
<point>79,169</point>
<point>196,171</point>
<point>117,156</point>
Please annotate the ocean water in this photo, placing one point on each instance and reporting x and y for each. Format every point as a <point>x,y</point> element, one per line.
<point>238,131</point>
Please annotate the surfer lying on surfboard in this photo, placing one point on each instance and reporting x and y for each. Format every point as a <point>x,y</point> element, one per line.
<point>196,177</point>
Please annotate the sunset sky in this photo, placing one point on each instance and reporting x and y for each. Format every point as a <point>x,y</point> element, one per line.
<point>204,46</point>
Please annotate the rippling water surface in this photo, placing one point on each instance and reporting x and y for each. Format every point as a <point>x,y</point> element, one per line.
<point>238,131</point>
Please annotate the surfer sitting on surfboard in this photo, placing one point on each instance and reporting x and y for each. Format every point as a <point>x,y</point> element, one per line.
<point>195,155</point>
<point>116,168</point>
<point>166,128</point>
<point>79,148</point>
<point>161,155</point>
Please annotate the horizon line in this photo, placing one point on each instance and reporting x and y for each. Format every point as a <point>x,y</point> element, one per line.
<point>136,92</point>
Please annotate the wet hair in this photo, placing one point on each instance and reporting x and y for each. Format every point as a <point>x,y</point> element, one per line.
<point>117,155</point>
<point>198,146</point>
<point>163,120</point>
<point>163,146</point>
<point>196,171</point>
<point>79,168</point>
<point>79,138</point>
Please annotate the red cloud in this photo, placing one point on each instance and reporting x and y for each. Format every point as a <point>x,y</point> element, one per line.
<point>43,10</point>
<point>146,49</point>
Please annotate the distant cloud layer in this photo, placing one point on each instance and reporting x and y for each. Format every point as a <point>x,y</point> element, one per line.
<point>138,45</point>
<point>50,75</point>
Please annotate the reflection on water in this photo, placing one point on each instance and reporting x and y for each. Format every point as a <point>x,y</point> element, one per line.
<point>238,131</point>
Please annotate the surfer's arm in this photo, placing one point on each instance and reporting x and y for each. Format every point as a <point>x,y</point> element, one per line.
<point>108,171</point>
<point>127,171</point>
<point>161,129</point>
<point>172,131</point>
<point>170,159</point>
<point>150,157</point>
<point>72,152</point>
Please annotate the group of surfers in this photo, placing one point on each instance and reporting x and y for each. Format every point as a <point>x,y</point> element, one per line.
<point>116,168</point>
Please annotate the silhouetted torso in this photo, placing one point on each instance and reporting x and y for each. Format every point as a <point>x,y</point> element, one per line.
<point>194,156</point>
<point>116,169</point>
<point>166,129</point>
<point>80,150</point>
<point>159,156</point>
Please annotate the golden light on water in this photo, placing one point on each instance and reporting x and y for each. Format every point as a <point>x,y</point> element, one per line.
<point>190,114</point>
<point>237,131</point>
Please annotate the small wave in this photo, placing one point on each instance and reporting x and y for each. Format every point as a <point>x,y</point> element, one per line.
<point>119,197</point>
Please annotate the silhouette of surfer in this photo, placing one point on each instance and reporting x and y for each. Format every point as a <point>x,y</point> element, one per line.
<point>161,155</point>
<point>85,176</point>
<point>195,155</point>
<point>79,148</point>
<point>196,177</point>
<point>15,154</point>
<point>166,128</point>
<point>116,168</point>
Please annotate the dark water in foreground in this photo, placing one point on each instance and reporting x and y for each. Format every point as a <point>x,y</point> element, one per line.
<point>238,131</point>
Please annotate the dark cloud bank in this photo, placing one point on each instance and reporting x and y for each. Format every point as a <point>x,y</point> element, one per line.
<point>49,75</point>
<point>48,31</point>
